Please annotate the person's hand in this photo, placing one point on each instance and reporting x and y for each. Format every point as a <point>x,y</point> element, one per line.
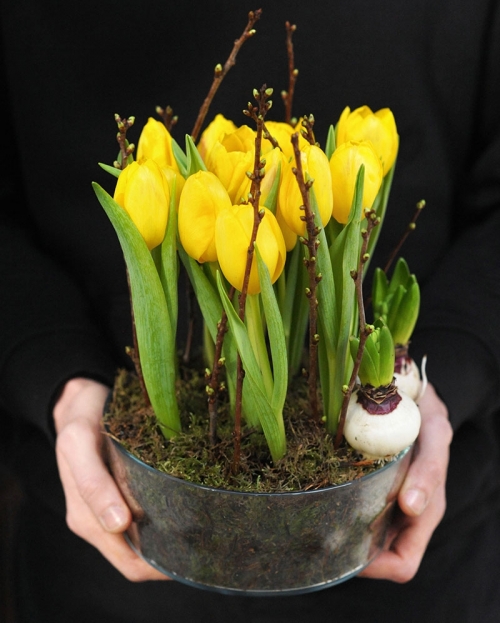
<point>95,509</point>
<point>422,496</point>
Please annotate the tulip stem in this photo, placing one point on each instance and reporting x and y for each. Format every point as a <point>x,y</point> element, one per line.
<point>213,386</point>
<point>133,353</point>
<point>293,72</point>
<point>221,71</point>
<point>312,244</point>
<point>364,329</point>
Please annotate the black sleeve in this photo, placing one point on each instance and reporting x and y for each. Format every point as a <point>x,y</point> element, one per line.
<point>46,336</point>
<point>459,321</point>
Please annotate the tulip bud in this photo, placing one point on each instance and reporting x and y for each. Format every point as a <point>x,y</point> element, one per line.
<point>214,132</point>
<point>315,166</point>
<point>233,231</point>
<point>345,163</point>
<point>155,143</point>
<point>202,199</point>
<point>142,190</point>
<point>379,128</point>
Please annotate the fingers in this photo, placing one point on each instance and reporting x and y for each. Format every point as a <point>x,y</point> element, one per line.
<point>410,538</point>
<point>430,463</point>
<point>95,508</point>
<point>79,446</point>
<point>422,499</point>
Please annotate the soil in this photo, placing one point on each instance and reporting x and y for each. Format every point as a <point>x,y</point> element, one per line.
<point>310,462</point>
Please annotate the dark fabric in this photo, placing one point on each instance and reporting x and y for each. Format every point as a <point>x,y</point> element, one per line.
<point>64,307</point>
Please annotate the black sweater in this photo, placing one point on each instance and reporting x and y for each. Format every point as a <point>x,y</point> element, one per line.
<point>64,303</point>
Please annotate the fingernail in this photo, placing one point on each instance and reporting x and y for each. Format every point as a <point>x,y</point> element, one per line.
<point>416,500</point>
<point>113,518</point>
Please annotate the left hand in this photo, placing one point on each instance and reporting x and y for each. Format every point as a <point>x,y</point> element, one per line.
<point>422,497</point>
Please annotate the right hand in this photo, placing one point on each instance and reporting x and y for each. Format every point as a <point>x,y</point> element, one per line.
<point>95,508</point>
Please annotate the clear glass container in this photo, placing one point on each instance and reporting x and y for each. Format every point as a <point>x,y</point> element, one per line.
<point>256,543</point>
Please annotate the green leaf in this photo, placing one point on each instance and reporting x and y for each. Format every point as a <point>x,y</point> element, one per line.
<point>194,160</point>
<point>276,335</point>
<point>380,206</point>
<point>169,269</point>
<point>295,308</point>
<point>387,356</point>
<point>400,276</point>
<point>404,323</point>
<point>271,421</point>
<point>380,287</point>
<point>330,142</point>
<point>211,308</point>
<point>154,328</point>
<point>256,333</point>
<point>272,198</point>
<point>394,304</point>
<point>180,157</point>
<point>369,371</point>
<point>112,170</point>
<point>344,255</point>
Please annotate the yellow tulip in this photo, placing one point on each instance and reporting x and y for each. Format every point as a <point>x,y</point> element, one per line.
<point>379,128</point>
<point>242,139</point>
<point>316,167</point>
<point>282,132</point>
<point>202,199</point>
<point>289,236</point>
<point>231,168</point>
<point>233,232</point>
<point>143,191</point>
<point>155,143</point>
<point>345,163</point>
<point>214,133</point>
<point>171,174</point>
<point>275,164</point>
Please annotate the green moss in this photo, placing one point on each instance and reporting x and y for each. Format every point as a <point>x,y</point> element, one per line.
<point>310,462</point>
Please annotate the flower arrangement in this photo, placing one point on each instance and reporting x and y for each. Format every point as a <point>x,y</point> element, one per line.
<point>275,234</point>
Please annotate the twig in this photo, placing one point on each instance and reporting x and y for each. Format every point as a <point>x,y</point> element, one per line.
<point>312,244</point>
<point>125,149</point>
<point>287,96</point>
<point>364,329</point>
<point>221,71</point>
<point>308,132</point>
<point>411,227</point>
<point>167,116</point>
<point>258,114</point>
